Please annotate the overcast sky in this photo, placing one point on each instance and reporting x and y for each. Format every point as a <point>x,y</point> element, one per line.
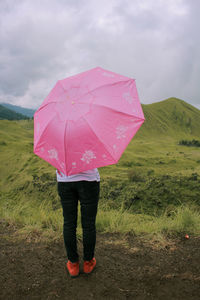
<point>157,42</point>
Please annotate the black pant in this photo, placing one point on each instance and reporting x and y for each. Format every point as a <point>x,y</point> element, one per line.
<point>88,194</point>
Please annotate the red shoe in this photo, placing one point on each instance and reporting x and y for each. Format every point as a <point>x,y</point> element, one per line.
<point>73,268</point>
<point>88,266</point>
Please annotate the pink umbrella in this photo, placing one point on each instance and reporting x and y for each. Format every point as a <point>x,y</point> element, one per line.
<point>87,121</point>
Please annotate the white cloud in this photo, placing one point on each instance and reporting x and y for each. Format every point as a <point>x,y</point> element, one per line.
<point>156,42</point>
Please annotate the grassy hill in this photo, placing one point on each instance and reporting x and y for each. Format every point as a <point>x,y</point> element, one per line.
<point>9,114</point>
<point>171,117</point>
<point>20,110</point>
<point>154,176</point>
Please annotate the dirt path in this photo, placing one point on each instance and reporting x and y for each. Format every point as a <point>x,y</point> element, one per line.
<point>128,268</point>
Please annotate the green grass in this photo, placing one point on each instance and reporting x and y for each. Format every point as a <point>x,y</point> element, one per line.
<point>154,188</point>
<point>184,219</point>
<point>48,222</point>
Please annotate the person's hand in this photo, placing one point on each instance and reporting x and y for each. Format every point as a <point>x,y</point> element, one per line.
<point>59,172</point>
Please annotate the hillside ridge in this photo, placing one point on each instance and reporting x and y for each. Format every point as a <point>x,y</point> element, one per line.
<point>171,116</point>
<point>8,114</point>
<point>19,109</point>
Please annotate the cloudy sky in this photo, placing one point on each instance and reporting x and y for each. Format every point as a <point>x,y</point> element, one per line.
<point>157,42</point>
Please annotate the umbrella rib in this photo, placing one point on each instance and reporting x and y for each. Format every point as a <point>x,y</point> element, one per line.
<point>45,128</point>
<point>45,106</point>
<point>99,87</point>
<point>108,84</point>
<point>58,82</point>
<point>99,138</point>
<point>116,110</point>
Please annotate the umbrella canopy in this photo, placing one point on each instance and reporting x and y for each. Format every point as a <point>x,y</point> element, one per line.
<point>87,120</point>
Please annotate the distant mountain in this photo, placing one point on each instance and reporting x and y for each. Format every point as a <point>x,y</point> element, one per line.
<point>170,117</point>
<point>8,114</point>
<point>21,110</point>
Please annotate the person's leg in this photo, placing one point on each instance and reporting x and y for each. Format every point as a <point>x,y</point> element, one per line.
<point>69,201</point>
<point>89,197</point>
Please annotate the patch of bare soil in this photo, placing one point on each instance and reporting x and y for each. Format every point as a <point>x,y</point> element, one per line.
<point>127,268</point>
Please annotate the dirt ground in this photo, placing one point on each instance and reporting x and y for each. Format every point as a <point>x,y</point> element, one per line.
<point>128,267</point>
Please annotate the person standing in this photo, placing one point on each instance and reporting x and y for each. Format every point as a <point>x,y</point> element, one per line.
<point>83,187</point>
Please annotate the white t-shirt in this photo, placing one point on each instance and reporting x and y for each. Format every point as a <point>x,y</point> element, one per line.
<point>90,175</point>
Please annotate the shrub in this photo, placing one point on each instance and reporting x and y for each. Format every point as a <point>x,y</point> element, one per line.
<point>130,164</point>
<point>136,176</point>
<point>150,172</point>
<point>192,143</point>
